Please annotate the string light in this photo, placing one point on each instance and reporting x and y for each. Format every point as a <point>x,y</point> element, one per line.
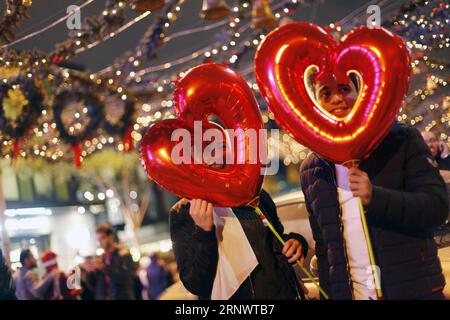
<point>235,44</point>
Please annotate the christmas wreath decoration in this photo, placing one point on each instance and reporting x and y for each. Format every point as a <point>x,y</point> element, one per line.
<point>124,126</point>
<point>20,108</point>
<point>94,112</point>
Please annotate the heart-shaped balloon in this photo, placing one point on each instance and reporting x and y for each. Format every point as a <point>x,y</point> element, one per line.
<point>378,59</point>
<point>208,90</point>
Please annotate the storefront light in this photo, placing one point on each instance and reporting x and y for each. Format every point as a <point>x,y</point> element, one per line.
<point>89,196</point>
<point>28,212</point>
<point>109,193</point>
<point>78,238</point>
<point>165,246</point>
<point>37,223</point>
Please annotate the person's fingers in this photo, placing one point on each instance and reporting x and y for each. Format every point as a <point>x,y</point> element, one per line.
<point>291,251</point>
<point>203,206</point>
<point>296,256</point>
<point>198,207</point>
<point>355,178</point>
<point>286,246</point>
<point>355,172</point>
<point>209,209</point>
<point>355,183</point>
<point>357,190</point>
<point>194,205</point>
<point>361,183</point>
<point>355,186</point>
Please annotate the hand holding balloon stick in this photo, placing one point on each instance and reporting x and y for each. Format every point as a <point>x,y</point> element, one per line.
<point>375,271</point>
<point>254,204</point>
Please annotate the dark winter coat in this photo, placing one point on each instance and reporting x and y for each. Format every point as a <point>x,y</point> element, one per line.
<point>409,201</point>
<point>196,253</point>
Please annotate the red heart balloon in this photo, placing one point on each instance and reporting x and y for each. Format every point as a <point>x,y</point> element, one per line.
<point>208,90</point>
<point>376,56</point>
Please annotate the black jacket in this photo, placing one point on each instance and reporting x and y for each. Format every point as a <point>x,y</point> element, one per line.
<point>443,164</point>
<point>7,288</point>
<point>197,254</point>
<point>409,200</point>
<point>115,281</point>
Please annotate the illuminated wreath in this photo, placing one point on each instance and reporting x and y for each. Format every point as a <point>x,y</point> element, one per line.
<point>94,113</point>
<point>31,108</point>
<point>125,122</point>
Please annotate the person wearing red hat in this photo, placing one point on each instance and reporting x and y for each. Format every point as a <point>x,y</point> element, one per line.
<point>27,282</point>
<point>58,290</point>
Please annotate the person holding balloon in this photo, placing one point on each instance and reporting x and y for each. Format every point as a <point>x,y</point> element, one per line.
<point>372,191</point>
<point>228,253</point>
<point>227,239</point>
<point>403,198</point>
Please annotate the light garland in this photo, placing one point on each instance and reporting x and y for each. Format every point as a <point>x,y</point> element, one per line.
<point>125,79</point>
<point>46,28</point>
<point>144,50</point>
<point>424,24</point>
<point>16,10</point>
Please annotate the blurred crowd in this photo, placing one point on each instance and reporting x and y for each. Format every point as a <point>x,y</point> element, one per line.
<point>110,276</point>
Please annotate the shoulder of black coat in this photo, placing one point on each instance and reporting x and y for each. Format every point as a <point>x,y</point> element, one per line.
<point>311,161</point>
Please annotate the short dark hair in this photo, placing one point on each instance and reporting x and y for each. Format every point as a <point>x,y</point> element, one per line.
<point>106,229</point>
<point>352,76</point>
<point>24,255</point>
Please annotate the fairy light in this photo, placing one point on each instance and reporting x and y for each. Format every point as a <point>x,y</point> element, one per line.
<point>430,21</point>
<point>216,51</point>
<point>228,49</point>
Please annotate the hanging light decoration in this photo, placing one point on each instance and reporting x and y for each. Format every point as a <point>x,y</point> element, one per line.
<point>262,15</point>
<point>147,5</point>
<point>214,10</point>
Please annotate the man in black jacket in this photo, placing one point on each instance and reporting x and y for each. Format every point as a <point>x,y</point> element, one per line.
<point>7,288</point>
<point>195,245</point>
<point>404,199</point>
<point>114,269</point>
